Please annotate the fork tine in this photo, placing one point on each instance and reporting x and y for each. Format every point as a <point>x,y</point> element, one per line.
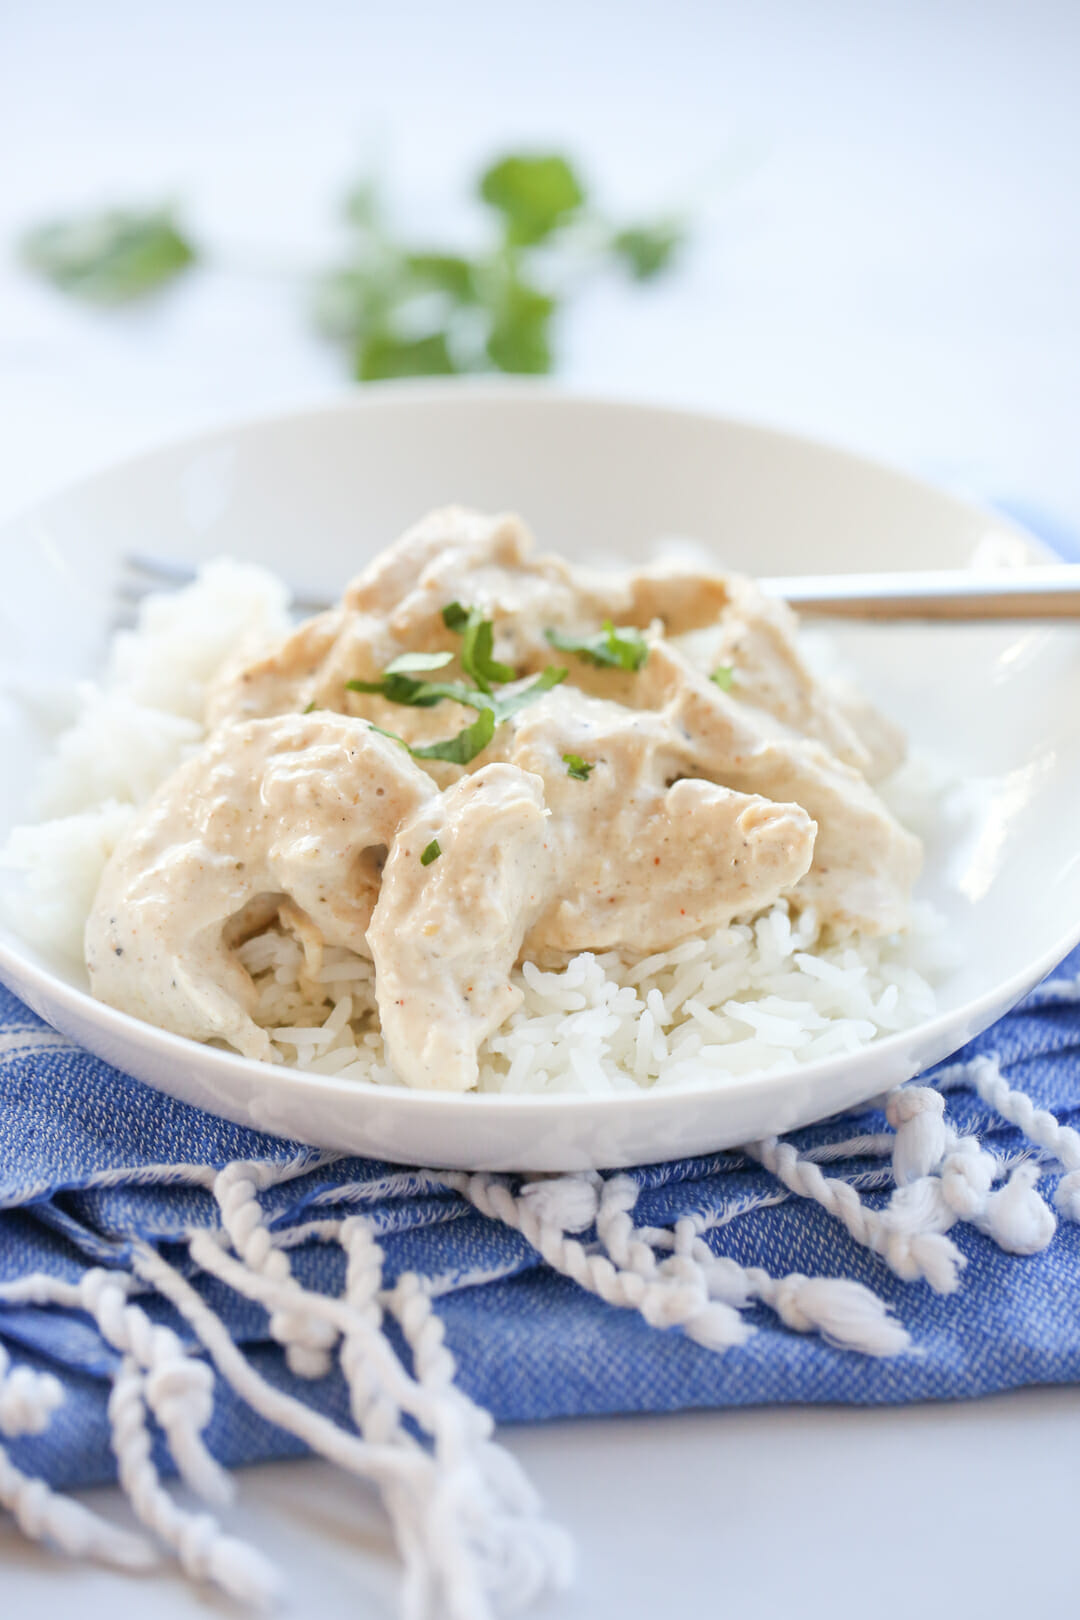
<point>135,591</point>
<point>160,568</point>
<point>310,604</point>
<point>167,574</point>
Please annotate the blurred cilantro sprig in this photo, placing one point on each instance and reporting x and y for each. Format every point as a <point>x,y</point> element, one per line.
<point>113,257</point>
<point>399,308</point>
<point>406,309</point>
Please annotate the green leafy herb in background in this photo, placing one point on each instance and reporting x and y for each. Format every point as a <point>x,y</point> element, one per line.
<point>109,258</point>
<point>399,308</point>
<point>647,250</point>
<point>535,195</point>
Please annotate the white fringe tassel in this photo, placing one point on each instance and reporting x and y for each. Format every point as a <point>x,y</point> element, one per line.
<point>28,1400</point>
<point>1060,1142</point>
<point>941,1178</point>
<point>471,1533</point>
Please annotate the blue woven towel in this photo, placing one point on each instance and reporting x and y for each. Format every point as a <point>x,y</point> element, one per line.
<point>91,1162</point>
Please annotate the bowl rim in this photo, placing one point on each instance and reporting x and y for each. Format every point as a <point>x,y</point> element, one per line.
<point>482,390</point>
<point>403,394</point>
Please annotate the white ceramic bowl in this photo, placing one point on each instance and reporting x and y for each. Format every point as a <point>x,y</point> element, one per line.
<point>312,495</point>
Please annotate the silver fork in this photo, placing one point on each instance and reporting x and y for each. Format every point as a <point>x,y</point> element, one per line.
<point>1050,591</point>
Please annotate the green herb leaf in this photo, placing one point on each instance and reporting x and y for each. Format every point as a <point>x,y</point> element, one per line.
<point>430,852</point>
<point>408,661</point>
<point>109,258</point>
<point>472,739</point>
<point>478,641</point>
<point>448,273</point>
<point>646,250</point>
<point>465,746</point>
<point>509,703</point>
<point>476,655</point>
<point>393,736</point>
<point>310,707</point>
<point>381,355</point>
<point>724,677</point>
<point>519,340</point>
<point>535,193</point>
<point>397,688</point>
<point>577,767</point>
<point>625,648</point>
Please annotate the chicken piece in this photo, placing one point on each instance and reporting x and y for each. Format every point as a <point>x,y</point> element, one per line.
<point>756,638</point>
<point>626,858</point>
<point>445,935</point>
<point>459,555</point>
<point>864,861</point>
<point>300,809</point>
<point>251,688</point>
<point>645,856</point>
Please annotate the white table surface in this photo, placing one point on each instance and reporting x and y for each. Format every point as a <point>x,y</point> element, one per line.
<point>889,256</point>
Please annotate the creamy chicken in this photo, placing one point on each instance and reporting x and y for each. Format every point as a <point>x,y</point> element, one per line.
<point>636,803</point>
<point>646,852</point>
<point>445,936</point>
<point>293,815</point>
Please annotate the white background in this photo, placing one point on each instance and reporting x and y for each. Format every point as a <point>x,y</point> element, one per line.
<point>888,256</point>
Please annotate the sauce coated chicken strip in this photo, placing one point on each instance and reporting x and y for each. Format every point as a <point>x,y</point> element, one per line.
<point>644,858</point>
<point>296,812</point>
<point>445,934</point>
<point>457,555</point>
<point>756,637</point>
<point>864,861</point>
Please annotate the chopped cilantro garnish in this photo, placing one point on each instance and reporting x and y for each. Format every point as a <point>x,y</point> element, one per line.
<point>625,648</point>
<point>399,688</point>
<point>310,708</point>
<point>460,749</point>
<point>476,655</point>
<point>406,662</point>
<point>430,853</point>
<point>723,676</point>
<point>577,767</point>
<point>478,636</point>
<point>553,675</point>
<point>393,736</point>
<point>491,709</point>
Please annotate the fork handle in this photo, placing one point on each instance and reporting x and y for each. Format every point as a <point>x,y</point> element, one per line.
<point>947,593</point>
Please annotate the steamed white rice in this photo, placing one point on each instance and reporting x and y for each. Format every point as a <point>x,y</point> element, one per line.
<point>757,997</point>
